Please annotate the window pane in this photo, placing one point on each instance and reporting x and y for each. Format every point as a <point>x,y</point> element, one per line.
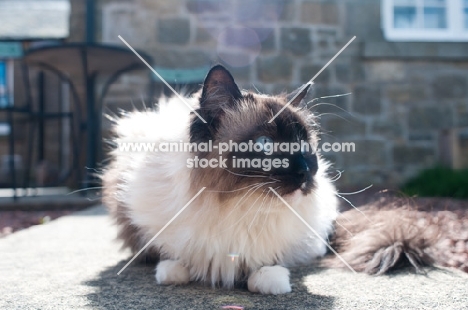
<point>440,3</point>
<point>466,14</point>
<point>404,17</point>
<point>435,17</point>
<point>3,85</point>
<point>404,2</point>
<point>466,18</point>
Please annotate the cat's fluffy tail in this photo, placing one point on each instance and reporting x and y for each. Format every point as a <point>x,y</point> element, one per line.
<point>385,235</point>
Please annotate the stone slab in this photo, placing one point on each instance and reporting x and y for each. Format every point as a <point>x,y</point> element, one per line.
<point>73,263</point>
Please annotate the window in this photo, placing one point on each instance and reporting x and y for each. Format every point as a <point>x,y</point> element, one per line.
<point>465,13</point>
<point>5,91</point>
<point>425,20</point>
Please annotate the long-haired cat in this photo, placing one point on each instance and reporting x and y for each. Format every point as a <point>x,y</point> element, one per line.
<point>237,229</point>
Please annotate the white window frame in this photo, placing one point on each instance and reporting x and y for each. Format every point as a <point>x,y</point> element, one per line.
<point>455,31</point>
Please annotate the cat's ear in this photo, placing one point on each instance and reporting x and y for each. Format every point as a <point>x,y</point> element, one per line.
<point>219,89</point>
<point>219,92</point>
<point>296,96</point>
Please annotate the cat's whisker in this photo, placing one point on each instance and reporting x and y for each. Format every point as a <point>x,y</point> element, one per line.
<point>334,114</point>
<point>330,96</point>
<point>142,98</point>
<point>344,228</point>
<point>336,177</point>
<point>330,104</point>
<point>234,190</point>
<point>95,199</point>
<point>246,175</point>
<point>84,189</point>
<point>247,212</point>
<point>351,204</point>
<point>357,192</point>
<point>276,180</point>
<point>264,223</point>
<point>254,241</point>
<point>256,213</point>
<point>257,235</point>
<point>265,174</point>
<point>253,188</point>
<point>342,214</point>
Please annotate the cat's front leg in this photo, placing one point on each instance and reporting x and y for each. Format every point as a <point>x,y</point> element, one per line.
<point>269,280</point>
<point>172,272</point>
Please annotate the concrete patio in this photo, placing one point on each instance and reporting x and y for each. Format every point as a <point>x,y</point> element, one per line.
<point>73,262</point>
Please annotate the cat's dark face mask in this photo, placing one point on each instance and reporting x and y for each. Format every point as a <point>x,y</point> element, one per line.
<point>287,162</point>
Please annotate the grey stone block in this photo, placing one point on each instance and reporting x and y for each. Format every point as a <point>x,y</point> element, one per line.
<point>343,73</point>
<point>386,71</point>
<point>255,10</point>
<point>404,155</point>
<point>407,93</point>
<point>367,100</point>
<point>392,128</point>
<point>174,31</point>
<point>296,40</point>
<point>274,69</point>
<point>309,71</point>
<point>350,70</point>
<point>177,58</point>
<point>445,50</point>
<point>207,6</point>
<point>320,13</point>
<point>430,117</point>
<point>367,153</point>
<point>344,127</point>
<point>267,38</point>
<point>360,178</point>
<point>462,114</point>
<point>235,59</point>
<point>419,136</point>
<point>360,15</point>
<point>288,11</point>
<point>450,86</point>
<point>204,35</point>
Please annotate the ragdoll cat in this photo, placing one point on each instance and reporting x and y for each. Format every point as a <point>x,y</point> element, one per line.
<point>237,229</point>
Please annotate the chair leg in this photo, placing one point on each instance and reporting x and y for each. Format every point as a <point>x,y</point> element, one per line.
<point>30,150</point>
<point>11,146</point>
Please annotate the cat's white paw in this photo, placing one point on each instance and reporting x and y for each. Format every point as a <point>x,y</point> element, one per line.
<point>171,272</point>
<point>270,280</point>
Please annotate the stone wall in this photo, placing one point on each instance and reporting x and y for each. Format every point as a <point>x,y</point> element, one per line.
<point>403,98</point>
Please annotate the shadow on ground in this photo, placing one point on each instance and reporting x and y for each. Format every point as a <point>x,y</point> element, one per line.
<point>136,288</point>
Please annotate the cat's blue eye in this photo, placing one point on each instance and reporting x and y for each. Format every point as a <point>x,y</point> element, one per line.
<point>264,143</point>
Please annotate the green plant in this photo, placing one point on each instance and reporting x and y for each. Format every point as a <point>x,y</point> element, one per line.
<point>438,182</point>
